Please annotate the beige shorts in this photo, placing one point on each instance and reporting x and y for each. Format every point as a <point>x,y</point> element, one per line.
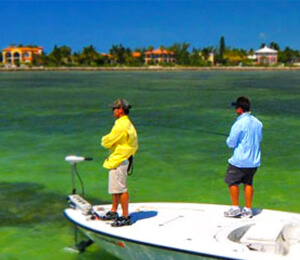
<point>117,179</point>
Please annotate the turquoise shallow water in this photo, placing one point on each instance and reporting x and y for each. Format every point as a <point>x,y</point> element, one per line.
<point>182,119</point>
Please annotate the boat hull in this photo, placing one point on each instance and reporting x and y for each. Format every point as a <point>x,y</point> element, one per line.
<point>126,250</point>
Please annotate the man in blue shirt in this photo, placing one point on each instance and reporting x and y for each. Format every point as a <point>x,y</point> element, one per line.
<point>244,138</point>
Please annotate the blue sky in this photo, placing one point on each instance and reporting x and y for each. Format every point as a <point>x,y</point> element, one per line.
<point>244,23</point>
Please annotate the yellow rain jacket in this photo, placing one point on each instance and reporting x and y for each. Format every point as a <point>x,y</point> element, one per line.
<point>121,141</point>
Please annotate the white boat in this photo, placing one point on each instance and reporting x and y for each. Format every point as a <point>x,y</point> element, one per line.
<point>192,231</point>
<point>189,231</point>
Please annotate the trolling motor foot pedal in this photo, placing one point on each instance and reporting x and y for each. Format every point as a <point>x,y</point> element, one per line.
<point>77,202</point>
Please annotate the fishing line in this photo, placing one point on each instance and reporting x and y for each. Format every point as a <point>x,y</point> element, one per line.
<point>186,129</point>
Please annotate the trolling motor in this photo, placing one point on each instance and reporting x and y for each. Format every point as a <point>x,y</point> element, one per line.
<point>73,160</point>
<point>75,201</point>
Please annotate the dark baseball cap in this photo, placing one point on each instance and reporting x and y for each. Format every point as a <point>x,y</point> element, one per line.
<point>120,103</point>
<point>242,102</point>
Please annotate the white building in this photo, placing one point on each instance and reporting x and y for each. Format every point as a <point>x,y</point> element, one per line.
<point>267,56</point>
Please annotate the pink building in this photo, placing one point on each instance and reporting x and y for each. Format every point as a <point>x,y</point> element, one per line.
<point>266,56</point>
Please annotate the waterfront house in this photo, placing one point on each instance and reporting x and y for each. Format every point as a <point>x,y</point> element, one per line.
<point>211,58</point>
<point>266,56</point>
<point>13,56</point>
<point>109,58</point>
<point>159,56</point>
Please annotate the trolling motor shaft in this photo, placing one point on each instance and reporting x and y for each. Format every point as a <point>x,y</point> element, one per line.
<point>78,203</point>
<point>73,160</point>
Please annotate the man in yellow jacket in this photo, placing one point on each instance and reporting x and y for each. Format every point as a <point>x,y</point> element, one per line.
<point>122,143</point>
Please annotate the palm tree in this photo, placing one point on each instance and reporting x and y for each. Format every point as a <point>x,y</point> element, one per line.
<point>89,56</point>
<point>55,56</point>
<point>206,52</point>
<point>65,53</point>
<point>121,54</point>
<point>181,53</point>
<point>288,55</point>
<point>274,46</point>
<point>262,45</point>
<point>150,48</point>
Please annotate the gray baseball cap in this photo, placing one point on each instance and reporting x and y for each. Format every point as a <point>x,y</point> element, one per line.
<point>120,103</point>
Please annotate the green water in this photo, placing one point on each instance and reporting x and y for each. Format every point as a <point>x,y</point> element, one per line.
<point>182,119</point>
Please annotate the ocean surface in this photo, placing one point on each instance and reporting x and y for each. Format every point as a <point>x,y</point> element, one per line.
<point>182,119</point>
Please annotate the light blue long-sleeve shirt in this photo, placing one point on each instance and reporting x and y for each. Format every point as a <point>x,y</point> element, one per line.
<point>244,138</point>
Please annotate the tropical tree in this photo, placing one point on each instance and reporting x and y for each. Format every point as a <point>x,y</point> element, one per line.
<point>75,58</point>
<point>201,57</point>
<point>1,57</point>
<point>54,57</point>
<point>121,55</point>
<point>89,56</point>
<point>222,47</point>
<point>129,59</point>
<point>141,59</point>
<point>288,55</point>
<point>181,53</point>
<point>235,56</point>
<point>251,51</point>
<point>150,48</point>
<point>274,46</point>
<point>198,58</point>
<point>60,55</point>
<point>262,45</point>
<point>195,57</point>
<point>65,54</point>
<point>220,51</point>
<point>40,60</point>
<point>207,51</point>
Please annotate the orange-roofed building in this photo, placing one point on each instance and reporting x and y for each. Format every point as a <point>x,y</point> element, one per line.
<point>15,55</point>
<point>136,55</point>
<point>159,56</point>
<point>107,55</point>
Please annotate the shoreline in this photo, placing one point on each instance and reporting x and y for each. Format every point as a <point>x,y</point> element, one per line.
<point>151,68</point>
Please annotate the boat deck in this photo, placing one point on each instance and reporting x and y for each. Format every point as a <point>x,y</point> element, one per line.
<point>199,230</point>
